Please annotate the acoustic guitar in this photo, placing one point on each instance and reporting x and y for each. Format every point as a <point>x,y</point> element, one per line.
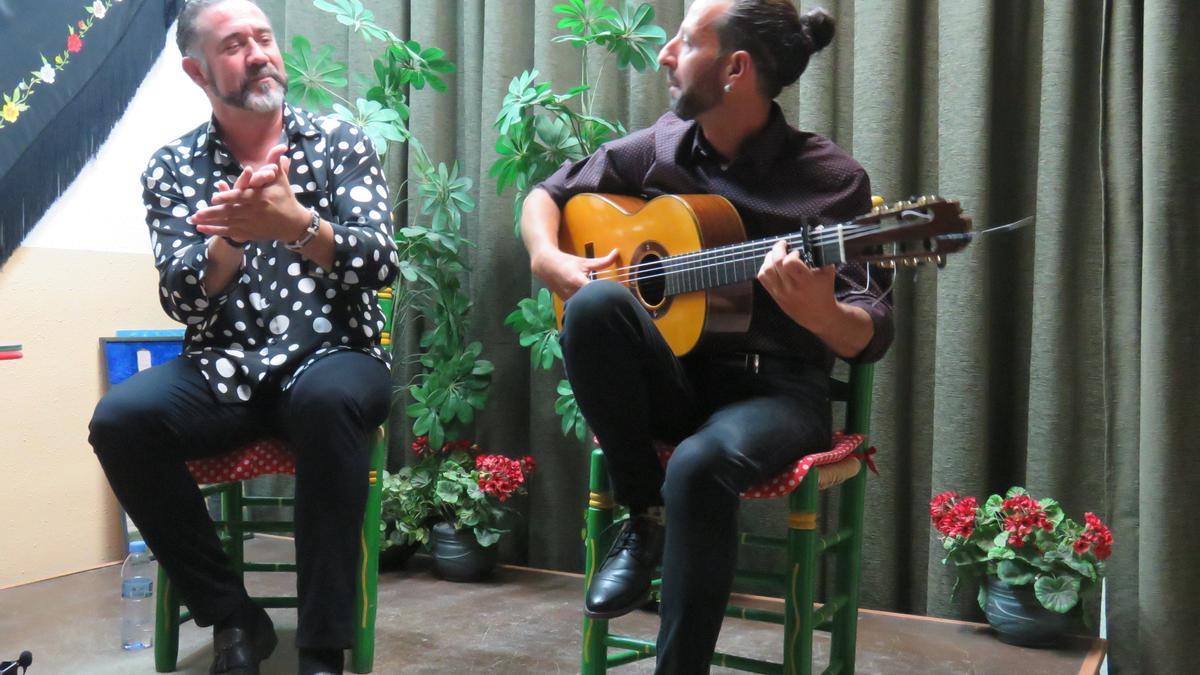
<point>687,261</point>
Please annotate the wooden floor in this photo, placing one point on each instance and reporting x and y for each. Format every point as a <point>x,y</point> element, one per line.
<point>522,622</point>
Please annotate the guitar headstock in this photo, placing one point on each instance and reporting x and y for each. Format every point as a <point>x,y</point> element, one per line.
<point>908,233</point>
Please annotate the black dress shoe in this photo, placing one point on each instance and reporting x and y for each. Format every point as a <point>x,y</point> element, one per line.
<point>239,651</point>
<point>622,584</point>
<point>321,661</point>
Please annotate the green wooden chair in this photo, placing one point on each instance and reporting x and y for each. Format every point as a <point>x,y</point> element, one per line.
<point>224,476</point>
<point>803,544</point>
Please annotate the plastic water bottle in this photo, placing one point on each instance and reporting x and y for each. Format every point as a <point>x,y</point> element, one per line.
<point>137,598</point>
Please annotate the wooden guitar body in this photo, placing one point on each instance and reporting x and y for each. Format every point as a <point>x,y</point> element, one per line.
<point>645,232</point>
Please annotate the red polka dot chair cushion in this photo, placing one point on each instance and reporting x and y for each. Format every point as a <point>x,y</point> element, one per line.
<point>840,462</point>
<point>260,458</point>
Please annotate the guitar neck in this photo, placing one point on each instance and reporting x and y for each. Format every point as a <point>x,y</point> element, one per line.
<point>735,263</point>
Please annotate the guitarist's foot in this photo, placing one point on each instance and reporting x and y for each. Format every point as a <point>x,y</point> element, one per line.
<point>622,584</point>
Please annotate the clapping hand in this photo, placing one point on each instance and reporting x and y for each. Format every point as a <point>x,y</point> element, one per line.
<point>260,206</point>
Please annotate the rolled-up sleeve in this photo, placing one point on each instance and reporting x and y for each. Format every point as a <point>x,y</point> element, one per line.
<point>364,248</point>
<point>180,252</point>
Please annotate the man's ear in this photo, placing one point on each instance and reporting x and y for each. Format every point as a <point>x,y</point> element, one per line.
<point>193,69</point>
<point>740,63</point>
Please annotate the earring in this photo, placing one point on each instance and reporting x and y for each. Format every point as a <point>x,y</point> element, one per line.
<point>728,87</point>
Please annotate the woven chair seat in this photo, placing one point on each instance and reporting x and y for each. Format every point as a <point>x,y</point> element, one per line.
<point>259,458</point>
<point>837,464</point>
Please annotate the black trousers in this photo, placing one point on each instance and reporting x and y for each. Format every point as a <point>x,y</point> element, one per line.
<point>146,427</point>
<point>733,429</point>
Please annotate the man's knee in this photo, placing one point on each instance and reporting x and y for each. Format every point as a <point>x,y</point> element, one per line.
<point>321,403</point>
<point>595,301</point>
<point>701,471</point>
<point>118,422</point>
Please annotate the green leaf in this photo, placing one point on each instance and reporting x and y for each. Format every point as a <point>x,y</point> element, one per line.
<point>486,536</point>
<point>632,36</point>
<point>1014,573</point>
<point>312,76</point>
<point>448,491</point>
<point>1058,594</point>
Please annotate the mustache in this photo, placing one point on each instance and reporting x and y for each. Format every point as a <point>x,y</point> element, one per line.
<point>267,70</point>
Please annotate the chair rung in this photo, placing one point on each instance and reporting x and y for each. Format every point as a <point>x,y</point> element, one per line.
<point>761,540</point>
<point>268,501</point>
<point>753,614</point>
<point>268,567</point>
<point>761,580</point>
<point>831,541</point>
<point>275,602</point>
<point>260,526</point>
<point>746,664</point>
<point>624,657</point>
<point>643,647</point>
<point>828,610</point>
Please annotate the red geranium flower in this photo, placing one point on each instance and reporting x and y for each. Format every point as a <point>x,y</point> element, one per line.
<point>1096,536</point>
<point>953,516</point>
<point>499,476</point>
<point>74,44</point>
<point>1022,515</point>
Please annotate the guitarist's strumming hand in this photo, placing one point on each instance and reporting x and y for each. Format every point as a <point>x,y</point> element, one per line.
<point>806,295</point>
<point>564,273</point>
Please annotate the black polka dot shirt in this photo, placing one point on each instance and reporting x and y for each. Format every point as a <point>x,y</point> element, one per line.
<point>283,312</point>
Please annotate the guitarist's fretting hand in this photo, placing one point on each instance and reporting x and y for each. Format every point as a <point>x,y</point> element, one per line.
<point>806,295</point>
<point>565,273</point>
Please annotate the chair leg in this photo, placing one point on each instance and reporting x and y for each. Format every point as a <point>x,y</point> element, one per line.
<point>366,595</point>
<point>848,572</point>
<point>802,577</point>
<point>599,517</point>
<point>166,625</point>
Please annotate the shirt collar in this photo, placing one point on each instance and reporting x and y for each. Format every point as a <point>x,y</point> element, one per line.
<point>296,123</point>
<point>759,151</point>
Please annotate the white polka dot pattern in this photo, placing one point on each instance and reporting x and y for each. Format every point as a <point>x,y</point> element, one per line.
<point>260,458</point>
<point>785,483</point>
<point>283,312</point>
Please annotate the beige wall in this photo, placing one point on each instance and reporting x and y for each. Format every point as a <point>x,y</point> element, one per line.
<point>57,514</point>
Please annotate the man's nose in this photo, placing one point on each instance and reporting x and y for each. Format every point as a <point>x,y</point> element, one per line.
<point>256,54</point>
<point>664,54</point>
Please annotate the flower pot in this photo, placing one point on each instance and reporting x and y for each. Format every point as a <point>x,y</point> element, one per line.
<point>1019,619</point>
<point>457,556</point>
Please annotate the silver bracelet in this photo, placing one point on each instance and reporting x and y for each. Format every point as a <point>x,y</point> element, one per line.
<point>309,234</point>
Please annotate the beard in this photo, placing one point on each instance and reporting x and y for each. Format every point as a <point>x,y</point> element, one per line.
<point>261,97</point>
<point>702,95</point>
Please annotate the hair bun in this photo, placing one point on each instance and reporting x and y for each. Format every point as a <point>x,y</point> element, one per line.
<point>819,25</point>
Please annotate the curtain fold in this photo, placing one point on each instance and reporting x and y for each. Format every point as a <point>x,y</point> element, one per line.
<point>1056,357</point>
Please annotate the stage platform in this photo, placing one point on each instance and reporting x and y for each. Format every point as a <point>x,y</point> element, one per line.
<point>522,622</point>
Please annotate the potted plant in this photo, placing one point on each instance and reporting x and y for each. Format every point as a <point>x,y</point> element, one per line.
<point>451,381</point>
<point>540,129</point>
<point>454,500</point>
<point>1040,572</point>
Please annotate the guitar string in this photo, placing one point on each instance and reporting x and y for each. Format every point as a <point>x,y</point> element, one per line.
<point>752,247</point>
<point>716,258</point>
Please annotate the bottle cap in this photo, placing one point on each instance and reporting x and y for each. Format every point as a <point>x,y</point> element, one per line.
<point>137,546</point>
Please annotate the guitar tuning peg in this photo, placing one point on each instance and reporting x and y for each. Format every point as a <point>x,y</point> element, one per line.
<point>921,200</point>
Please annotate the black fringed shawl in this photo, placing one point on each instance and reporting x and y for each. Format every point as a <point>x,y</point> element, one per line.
<point>48,130</point>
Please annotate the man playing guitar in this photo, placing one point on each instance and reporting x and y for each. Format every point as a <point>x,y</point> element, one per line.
<point>741,411</point>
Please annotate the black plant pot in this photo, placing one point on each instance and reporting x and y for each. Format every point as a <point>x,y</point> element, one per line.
<point>457,556</point>
<point>1019,619</point>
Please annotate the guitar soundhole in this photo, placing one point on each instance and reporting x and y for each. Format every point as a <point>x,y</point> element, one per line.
<point>651,283</point>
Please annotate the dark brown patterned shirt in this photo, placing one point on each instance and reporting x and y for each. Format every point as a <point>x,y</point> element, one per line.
<point>781,177</point>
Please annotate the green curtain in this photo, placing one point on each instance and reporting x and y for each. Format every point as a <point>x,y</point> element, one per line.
<point>1054,357</point>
